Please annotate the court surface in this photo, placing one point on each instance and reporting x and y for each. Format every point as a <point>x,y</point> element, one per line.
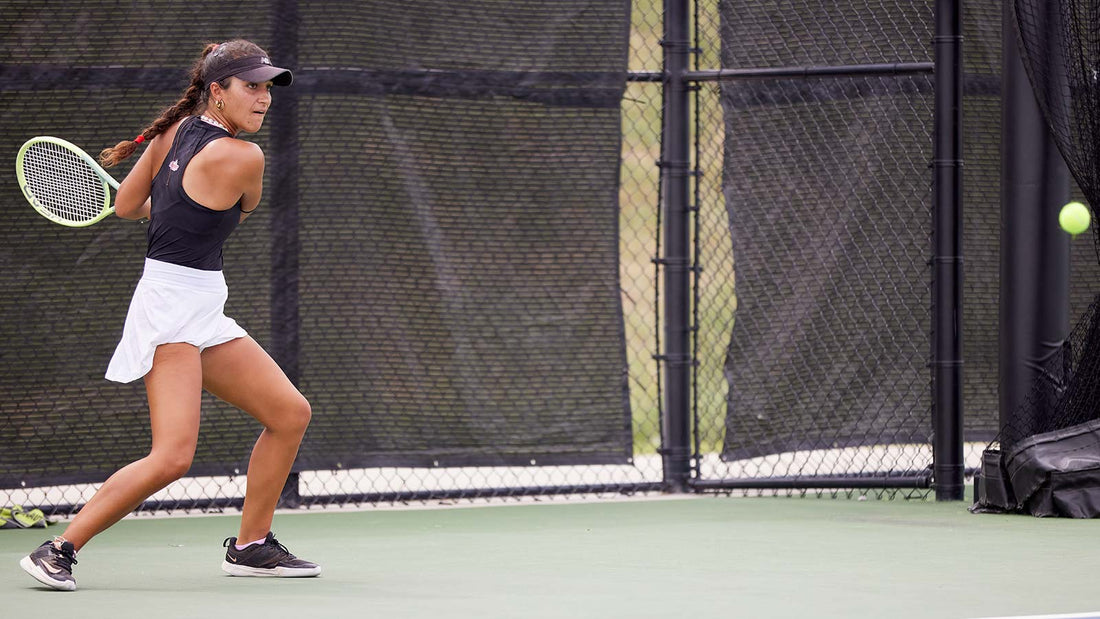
<point>690,557</point>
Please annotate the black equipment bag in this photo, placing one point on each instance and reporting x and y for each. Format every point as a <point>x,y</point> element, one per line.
<point>1050,474</point>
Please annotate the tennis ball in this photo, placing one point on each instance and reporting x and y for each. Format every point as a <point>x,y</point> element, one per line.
<point>1074,218</point>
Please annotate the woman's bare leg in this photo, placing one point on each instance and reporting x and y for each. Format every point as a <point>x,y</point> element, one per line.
<point>174,387</point>
<point>243,374</point>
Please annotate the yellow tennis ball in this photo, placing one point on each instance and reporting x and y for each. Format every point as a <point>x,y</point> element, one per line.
<point>1074,218</point>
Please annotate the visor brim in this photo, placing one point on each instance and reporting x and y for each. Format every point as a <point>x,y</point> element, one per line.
<point>267,73</point>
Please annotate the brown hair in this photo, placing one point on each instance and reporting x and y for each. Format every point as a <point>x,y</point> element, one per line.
<point>193,100</point>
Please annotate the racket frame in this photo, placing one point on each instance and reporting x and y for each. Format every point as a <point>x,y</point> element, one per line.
<point>104,177</point>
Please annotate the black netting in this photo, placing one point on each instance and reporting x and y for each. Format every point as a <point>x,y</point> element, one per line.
<point>1060,47</point>
<point>435,262</point>
<point>982,228</point>
<point>1065,390</point>
<point>828,192</point>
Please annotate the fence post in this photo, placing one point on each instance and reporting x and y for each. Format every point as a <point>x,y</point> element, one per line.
<point>676,190</point>
<point>947,442</point>
<point>283,205</point>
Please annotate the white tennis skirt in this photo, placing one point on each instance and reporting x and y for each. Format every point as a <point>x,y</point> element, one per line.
<point>171,304</point>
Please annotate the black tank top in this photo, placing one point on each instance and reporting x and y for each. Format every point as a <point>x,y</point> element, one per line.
<point>182,231</point>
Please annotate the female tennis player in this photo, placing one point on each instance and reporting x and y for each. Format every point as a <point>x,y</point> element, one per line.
<point>195,183</point>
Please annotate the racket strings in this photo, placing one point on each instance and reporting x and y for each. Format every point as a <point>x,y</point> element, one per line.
<point>63,183</point>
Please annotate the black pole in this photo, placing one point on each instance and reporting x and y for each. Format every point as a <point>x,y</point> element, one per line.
<point>1034,282</point>
<point>676,190</point>
<point>947,446</point>
<point>282,198</point>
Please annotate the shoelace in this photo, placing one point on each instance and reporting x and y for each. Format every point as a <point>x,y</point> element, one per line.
<point>64,557</point>
<point>274,542</point>
<point>270,541</point>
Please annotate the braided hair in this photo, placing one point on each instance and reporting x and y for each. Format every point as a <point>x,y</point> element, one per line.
<point>194,99</point>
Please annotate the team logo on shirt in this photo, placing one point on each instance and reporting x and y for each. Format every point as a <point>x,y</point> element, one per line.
<point>175,165</point>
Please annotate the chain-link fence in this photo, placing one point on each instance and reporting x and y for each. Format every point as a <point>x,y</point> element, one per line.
<point>815,241</point>
<point>446,307</point>
<point>447,209</point>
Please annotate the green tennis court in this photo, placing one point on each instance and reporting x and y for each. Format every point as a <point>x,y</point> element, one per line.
<point>577,248</point>
<point>700,557</point>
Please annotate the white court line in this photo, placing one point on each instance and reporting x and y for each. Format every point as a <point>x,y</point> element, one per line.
<point>1092,615</point>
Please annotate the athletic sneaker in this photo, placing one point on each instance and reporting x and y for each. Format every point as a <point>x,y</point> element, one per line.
<point>52,566</point>
<point>267,559</point>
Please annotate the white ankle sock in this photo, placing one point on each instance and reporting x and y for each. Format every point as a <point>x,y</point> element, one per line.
<point>243,546</point>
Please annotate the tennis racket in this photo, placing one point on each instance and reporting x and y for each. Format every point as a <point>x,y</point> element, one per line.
<point>63,183</point>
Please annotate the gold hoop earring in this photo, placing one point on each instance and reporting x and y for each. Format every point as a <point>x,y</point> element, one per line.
<point>219,104</point>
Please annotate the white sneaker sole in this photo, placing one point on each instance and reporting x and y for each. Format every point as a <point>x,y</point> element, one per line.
<point>31,568</point>
<point>279,572</point>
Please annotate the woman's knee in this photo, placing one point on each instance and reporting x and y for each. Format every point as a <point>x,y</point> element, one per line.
<point>303,413</point>
<point>293,416</point>
<point>172,464</point>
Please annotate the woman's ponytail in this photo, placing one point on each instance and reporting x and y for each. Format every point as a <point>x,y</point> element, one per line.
<point>188,103</point>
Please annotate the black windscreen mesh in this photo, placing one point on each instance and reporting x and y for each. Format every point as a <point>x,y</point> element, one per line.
<point>494,314</point>
<point>982,169</point>
<point>829,195</point>
<point>435,260</point>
